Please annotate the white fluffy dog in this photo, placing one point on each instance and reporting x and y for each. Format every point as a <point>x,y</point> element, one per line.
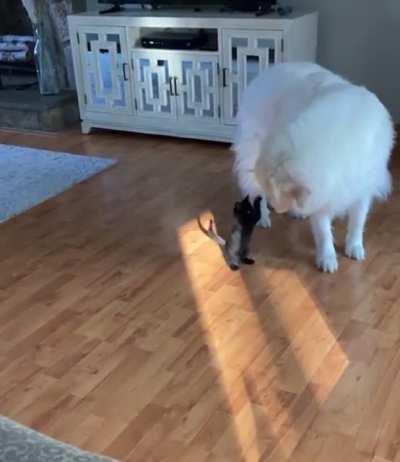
<point>313,144</point>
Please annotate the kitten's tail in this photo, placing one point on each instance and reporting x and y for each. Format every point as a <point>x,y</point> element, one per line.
<point>212,233</point>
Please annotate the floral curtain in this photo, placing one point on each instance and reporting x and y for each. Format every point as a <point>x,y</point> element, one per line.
<point>53,49</point>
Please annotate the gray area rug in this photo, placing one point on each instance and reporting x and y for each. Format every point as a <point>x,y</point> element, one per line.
<point>30,176</point>
<point>21,444</point>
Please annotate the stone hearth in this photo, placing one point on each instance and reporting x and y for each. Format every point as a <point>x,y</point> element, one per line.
<point>27,109</point>
<point>24,107</point>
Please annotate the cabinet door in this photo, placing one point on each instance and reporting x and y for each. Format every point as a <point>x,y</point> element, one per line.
<point>197,88</point>
<point>154,83</point>
<point>245,54</point>
<point>105,69</point>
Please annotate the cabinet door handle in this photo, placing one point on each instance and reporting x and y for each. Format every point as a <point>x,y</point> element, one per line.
<point>176,85</point>
<point>124,71</point>
<point>171,87</point>
<point>224,77</point>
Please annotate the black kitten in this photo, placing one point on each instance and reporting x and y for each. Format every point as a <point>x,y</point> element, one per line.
<point>247,216</point>
<point>235,250</point>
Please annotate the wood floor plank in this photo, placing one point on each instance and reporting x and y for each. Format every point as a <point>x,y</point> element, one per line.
<point>123,332</point>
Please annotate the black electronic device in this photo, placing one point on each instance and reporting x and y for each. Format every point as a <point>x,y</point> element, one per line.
<point>259,7</point>
<point>117,4</point>
<point>175,40</point>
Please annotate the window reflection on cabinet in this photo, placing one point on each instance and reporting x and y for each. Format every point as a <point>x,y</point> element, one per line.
<point>103,58</point>
<point>245,54</point>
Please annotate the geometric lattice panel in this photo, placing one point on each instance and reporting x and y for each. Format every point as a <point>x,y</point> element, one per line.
<point>198,86</point>
<point>105,71</point>
<point>153,84</point>
<point>246,54</point>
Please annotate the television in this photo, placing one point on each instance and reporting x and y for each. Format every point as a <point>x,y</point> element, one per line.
<point>262,6</point>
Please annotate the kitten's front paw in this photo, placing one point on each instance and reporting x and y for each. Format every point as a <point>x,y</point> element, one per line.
<point>248,261</point>
<point>327,262</point>
<point>355,251</point>
<point>234,267</point>
<point>265,221</point>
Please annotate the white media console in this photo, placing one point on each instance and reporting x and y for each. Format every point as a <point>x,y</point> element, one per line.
<point>193,93</point>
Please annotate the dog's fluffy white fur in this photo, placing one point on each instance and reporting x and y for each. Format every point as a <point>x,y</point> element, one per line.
<point>314,144</point>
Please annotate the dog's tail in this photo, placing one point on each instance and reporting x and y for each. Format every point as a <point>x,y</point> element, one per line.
<point>211,232</point>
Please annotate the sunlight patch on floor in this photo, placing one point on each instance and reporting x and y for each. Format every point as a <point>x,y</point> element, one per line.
<point>231,324</point>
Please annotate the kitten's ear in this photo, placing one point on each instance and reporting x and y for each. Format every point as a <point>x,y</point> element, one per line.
<point>257,202</point>
<point>236,208</point>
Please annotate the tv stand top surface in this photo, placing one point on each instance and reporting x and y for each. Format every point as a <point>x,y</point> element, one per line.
<point>188,18</point>
<point>193,13</point>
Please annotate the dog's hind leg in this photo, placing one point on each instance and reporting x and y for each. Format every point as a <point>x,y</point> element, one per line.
<point>355,229</point>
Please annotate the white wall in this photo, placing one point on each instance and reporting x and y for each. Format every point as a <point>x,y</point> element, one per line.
<point>360,39</point>
<point>78,5</point>
<point>92,5</point>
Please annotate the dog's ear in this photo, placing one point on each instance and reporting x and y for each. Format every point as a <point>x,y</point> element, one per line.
<point>295,192</point>
<point>300,194</point>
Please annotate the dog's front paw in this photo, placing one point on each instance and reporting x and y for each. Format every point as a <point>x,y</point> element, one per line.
<point>355,251</point>
<point>327,262</point>
<point>296,216</point>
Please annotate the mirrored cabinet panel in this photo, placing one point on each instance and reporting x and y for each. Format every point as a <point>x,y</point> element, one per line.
<point>179,73</point>
<point>105,69</point>
<point>153,83</point>
<point>245,54</point>
<point>198,86</point>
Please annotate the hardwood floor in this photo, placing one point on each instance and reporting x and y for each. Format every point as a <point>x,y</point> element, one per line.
<point>121,330</point>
